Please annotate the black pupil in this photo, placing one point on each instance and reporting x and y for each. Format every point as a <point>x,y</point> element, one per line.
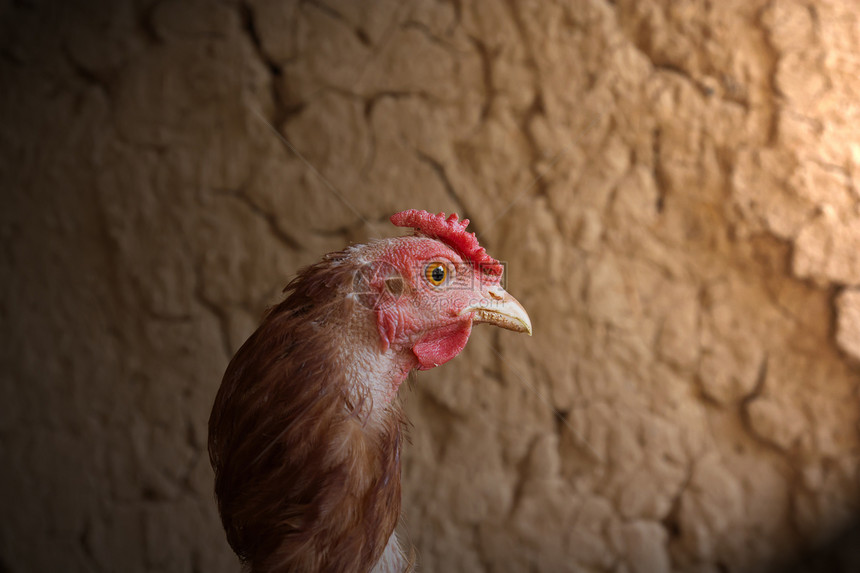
<point>438,274</point>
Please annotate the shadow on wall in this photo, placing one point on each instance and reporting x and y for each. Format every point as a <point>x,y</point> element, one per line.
<point>840,555</point>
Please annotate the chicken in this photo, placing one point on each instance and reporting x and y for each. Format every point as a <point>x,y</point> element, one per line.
<point>305,432</point>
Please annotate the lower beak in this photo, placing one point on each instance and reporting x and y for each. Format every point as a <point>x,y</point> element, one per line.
<point>501,309</point>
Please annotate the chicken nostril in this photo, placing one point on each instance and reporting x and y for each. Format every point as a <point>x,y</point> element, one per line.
<point>496,295</point>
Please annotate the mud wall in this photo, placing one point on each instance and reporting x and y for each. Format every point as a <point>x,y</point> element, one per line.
<point>675,187</point>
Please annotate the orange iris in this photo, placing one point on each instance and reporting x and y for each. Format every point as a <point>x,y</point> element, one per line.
<point>436,273</point>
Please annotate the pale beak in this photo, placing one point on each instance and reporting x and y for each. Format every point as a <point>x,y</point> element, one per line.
<point>501,309</point>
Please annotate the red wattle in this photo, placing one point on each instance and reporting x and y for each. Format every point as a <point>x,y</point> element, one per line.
<point>441,345</point>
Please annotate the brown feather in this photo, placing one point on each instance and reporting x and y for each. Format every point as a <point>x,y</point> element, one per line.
<point>305,479</point>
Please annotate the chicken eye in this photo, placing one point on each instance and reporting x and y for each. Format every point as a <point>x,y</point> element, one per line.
<point>436,273</point>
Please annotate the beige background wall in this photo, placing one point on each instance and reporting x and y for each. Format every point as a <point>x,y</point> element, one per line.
<point>674,185</point>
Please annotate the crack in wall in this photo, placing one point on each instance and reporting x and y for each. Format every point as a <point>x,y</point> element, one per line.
<point>442,176</point>
<point>281,111</point>
<point>146,23</point>
<point>215,310</point>
<point>359,33</point>
<point>744,405</point>
<point>271,221</point>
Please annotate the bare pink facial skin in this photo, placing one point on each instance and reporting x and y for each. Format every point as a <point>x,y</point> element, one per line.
<point>415,315</point>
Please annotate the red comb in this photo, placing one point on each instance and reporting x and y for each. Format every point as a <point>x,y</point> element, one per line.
<point>451,232</point>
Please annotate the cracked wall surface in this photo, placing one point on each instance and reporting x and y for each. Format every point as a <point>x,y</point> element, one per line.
<point>674,185</point>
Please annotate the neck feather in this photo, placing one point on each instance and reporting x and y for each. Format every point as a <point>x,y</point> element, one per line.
<point>305,435</point>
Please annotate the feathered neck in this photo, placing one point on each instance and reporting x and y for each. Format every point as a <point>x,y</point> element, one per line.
<point>306,458</point>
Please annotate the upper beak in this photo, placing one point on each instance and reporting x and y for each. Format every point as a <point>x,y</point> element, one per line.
<point>501,309</point>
